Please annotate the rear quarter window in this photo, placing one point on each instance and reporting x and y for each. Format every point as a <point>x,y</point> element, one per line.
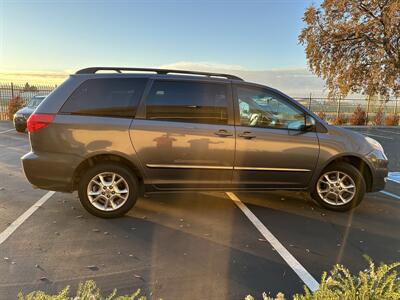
<point>113,97</point>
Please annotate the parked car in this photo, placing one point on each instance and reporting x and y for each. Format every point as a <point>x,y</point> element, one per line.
<point>113,136</point>
<point>22,115</point>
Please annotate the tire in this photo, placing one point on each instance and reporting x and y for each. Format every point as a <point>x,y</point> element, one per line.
<point>20,128</point>
<point>344,202</point>
<point>112,200</point>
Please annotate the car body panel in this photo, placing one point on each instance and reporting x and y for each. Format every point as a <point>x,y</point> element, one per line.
<point>276,158</point>
<point>80,138</point>
<point>177,154</point>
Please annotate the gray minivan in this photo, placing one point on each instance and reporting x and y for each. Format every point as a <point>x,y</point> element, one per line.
<point>115,134</point>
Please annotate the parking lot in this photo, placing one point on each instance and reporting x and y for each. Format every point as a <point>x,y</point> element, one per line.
<point>209,245</point>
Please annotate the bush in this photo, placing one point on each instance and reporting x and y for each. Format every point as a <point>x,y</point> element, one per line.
<point>14,105</point>
<point>86,291</point>
<point>372,283</point>
<point>392,120</point>
<point>339,120</point>
<point>359,117</point>
<point>321,115</point>
<point>378,117</point>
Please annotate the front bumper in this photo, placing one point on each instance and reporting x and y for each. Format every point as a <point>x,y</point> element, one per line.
<point>379,169</point>
<point>20,122</point>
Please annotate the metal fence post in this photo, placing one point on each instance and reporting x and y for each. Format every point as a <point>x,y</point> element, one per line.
<point>368,106</point>
<point>338,107</point>
<point>12,90</point>
<point>309,103</point>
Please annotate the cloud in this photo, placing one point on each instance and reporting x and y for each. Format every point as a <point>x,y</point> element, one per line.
<point>296,82</point>
<point>201,66</point>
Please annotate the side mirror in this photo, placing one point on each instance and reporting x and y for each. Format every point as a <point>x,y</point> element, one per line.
<point>309,123</point>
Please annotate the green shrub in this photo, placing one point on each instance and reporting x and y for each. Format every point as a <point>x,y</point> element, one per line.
<point>14,105</point>
<point>86,291</point>
<point>374,283</point>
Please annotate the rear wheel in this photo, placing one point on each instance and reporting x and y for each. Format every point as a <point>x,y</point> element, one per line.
<point>340,187</point>
<point>108,190</point>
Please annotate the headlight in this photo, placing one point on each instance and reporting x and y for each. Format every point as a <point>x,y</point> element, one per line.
<point>376,145</point>
<point>17,115</point>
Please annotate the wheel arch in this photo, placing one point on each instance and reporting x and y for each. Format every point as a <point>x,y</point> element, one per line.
<point>106,157</point>
<point>355,160</point>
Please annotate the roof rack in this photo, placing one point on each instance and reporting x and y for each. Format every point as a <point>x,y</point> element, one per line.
<point>93,70</point>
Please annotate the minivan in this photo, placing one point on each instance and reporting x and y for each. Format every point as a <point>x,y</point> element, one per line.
<point>113,134</point>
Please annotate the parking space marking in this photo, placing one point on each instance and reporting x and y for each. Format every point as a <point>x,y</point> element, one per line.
<point>7,130</point>
<point>390,194</point>
<point>378,136</point>
<point>394,176</point>
<point>22,218</point>
<point>387,131</point>
<point>304,275</point>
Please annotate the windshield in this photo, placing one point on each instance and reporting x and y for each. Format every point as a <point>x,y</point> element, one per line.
<point>34,102</point>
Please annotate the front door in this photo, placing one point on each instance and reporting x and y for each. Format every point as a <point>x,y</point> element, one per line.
<point>272,148</point>
<point>186,137</point>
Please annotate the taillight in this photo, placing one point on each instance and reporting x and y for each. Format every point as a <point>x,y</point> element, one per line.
<point>38,121</point>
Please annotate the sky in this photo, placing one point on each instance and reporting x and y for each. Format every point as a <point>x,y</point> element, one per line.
<point>255,38</point>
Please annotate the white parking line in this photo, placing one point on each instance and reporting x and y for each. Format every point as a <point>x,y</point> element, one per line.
<point>391,195</point>
<point>304,275</point>
<point>379,136</point>
<point>22,218</point>
<point>7,130</point>
<point>394,176</point>
<point>387,131</point>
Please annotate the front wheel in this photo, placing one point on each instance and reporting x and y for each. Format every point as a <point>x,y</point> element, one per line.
<point>108,190</point>
<point>340,187</point>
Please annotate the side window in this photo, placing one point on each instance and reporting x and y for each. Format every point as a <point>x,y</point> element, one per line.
<point>266,109</point>
<point>185,101</point>
<point>113,97</point>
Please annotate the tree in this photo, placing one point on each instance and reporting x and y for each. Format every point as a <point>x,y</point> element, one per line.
<point>354,45</point>
<point>30,88</point>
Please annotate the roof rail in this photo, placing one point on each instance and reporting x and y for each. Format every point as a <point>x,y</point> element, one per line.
<point>93,70</point>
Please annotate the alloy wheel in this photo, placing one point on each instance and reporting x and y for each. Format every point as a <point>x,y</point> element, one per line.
<point>108,191</point>
<point>336,188</point>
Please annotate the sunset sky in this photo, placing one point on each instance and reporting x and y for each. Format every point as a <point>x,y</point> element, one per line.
<point>46,40</point>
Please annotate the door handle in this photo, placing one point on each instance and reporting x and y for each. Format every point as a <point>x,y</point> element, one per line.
<point>223,133</point>
<point>247,135</point>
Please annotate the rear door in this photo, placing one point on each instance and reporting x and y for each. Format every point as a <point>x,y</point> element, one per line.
<point>184,135</point>
<point>272,150</point>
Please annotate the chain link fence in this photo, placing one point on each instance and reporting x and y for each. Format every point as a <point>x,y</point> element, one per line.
<point>329,109</point>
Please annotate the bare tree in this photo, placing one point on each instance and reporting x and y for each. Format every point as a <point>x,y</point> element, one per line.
<point>354,45</point>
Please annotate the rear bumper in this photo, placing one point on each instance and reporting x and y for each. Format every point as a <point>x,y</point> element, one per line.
<point>50,171</point>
